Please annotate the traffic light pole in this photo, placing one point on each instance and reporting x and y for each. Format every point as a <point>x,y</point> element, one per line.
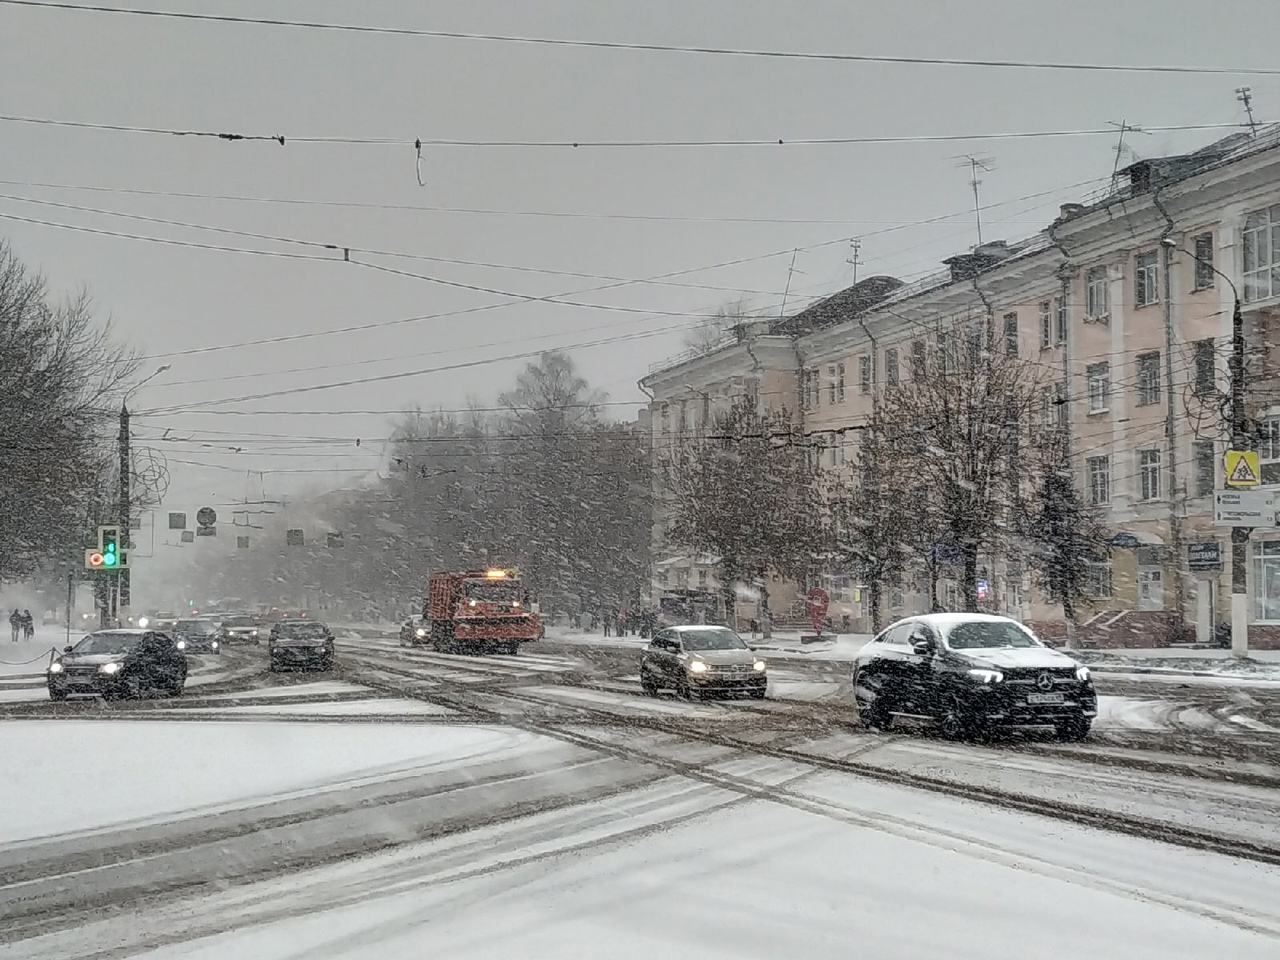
<point>122,575</point>
<point>1240,440</point>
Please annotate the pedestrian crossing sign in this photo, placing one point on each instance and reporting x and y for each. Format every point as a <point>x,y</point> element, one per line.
<point>1242,468</point>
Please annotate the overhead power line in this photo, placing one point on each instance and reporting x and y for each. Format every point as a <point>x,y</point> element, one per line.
<point>419,142</point>
<point>647,47</point>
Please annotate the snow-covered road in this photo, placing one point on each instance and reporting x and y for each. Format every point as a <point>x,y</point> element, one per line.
<point>479,843</point>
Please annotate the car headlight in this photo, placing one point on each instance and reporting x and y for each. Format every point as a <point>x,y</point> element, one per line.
<point>182,644</point>
<point>472,602</point>
<point>1082,674</point>
<point>987,676</point>
<point>253,633</point>
<point>109,669</point>
<point>697,666</point>
<point>214,644</point>
<point>143,621</point>
<point>420,632</point>
<point>55,667</point>
<point>758,666</point>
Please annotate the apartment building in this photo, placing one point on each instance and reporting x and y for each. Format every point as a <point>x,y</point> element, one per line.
<point>1125,303</point>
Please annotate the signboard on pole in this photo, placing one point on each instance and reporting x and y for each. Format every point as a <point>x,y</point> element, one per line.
<point>1244,508</point>
<point>1242,468</point>
<point>242,543</point>
<point>1204,557</point>
<point>188,536</point>
<point>177,521</point>
<point>206,516</point>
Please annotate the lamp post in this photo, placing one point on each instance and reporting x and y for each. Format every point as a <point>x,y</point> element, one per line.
<point>1241,439</point>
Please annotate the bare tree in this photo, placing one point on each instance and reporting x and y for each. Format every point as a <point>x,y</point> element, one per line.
<point>963,424</point>
<point>713,330</point>
<point>62,376</point>
<point>746,489</point>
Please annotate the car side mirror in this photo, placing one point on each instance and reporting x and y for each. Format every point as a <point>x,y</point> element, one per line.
<point>923,648</point>
<point>67,648</point>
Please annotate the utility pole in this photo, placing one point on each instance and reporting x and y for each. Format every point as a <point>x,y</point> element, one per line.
<point>122,576</point>
<point>1242,438</point>
<point>1176,502</point>
<point>855,261</point>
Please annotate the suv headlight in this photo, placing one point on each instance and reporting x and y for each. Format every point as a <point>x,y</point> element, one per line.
<point>1082,674</point>
<point>181,644</point>
<point>987,676</point>
<point>697,666</point>
<point>420,632</point>
<point>55,667</point>
<point>110,669</point>
<point>758,666</point>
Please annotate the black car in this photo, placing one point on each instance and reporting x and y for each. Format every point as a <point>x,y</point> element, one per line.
<point>702,659</point>
<point>969,673</point>
<point>119,663</point>
<point>197,636</point>
<point>307,644</point>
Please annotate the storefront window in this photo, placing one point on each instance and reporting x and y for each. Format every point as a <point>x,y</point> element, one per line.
<point>1266,580</point>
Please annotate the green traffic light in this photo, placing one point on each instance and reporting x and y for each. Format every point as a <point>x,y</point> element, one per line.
<point>108,559</point>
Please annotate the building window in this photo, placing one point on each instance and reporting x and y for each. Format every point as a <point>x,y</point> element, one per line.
<point>1011,334</point>
<point>1202,453</point>
<point>1097,294</point>
<point>1203,246</point>
<point>1099,377</point>
<point>1060,320</point>
<point>891,366</point>
<point>918,361</point>
<point>1262,254</point>
<point>664,419</point>
<point>866,373</point>
<point>837,450</point>
<point>947,349</point>
<point>1149,474</point>
<point>831,383</point>
<point>1100,580</point>
<point>1269,450</point>
<point>1204,363</point>
<point>840,383</point>
<point>706,409</point>
<point>1266,580</point>
<point>1098,470</point>
<point>1146,279</point>
<point>1046,325</point>
<point>684,416</point>
<point>1148,378</point>
<point>702,578</point>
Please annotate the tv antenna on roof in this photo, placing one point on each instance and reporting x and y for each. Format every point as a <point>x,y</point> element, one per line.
<point>1245,96</point>
<point>1124,126</point>
<point>975,164</point>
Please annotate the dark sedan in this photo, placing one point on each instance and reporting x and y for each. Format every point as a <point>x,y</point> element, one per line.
<point>197,636</point>
<point>119,663</point>
<point>969,673</point>
<point>302,644</point>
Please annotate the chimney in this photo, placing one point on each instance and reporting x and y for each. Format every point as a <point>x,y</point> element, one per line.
<point>1069,211</point>
<point>966,266</point>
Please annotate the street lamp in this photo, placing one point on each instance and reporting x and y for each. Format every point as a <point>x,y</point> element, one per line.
<point>159,370</point>
<point>1241,439</point>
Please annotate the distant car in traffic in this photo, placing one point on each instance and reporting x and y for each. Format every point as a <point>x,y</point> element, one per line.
<point>243,628</point>
<point>701,659</point>
<point>968,674</point>
<point>119,663</point>
<point>303,644</point>
<point>413,631</point>
<point>197,635</point>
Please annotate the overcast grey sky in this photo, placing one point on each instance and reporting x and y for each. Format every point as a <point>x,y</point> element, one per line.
<point>578,208</point>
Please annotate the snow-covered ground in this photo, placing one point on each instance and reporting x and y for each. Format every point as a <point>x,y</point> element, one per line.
<point>30,657</point>
<point>822,865</point>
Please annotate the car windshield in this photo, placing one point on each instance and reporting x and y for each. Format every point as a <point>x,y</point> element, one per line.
<point>713,638</point>
<point>239,622</point>
<point>195,628</point>
<point>980,634</point>
<point>307,630</point>
<point>108,642</point>
<point>493,591</point>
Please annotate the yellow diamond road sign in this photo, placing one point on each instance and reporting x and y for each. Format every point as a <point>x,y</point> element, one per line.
<point>1242,468</point>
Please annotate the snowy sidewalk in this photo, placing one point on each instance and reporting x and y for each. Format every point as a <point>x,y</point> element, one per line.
<point>28,658</point>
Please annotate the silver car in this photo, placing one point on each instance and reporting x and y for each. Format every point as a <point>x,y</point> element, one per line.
<point>699,660</point>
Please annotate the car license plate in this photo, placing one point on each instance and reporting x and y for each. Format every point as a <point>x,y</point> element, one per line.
<point>1044,698</point>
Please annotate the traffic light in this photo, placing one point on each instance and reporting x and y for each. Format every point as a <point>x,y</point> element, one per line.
<point>110,553</point>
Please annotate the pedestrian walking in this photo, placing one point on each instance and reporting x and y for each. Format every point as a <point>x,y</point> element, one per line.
<point>608,622</point>
<point>28,625</point>
<point>15,621</point>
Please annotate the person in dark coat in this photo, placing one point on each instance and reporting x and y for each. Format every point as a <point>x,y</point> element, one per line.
<point>15,621</point>
<point>28,625</point>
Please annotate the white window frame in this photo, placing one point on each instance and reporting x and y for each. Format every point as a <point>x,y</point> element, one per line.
<point>1260,252</point>
<point>1203,270</point>
<point>1098,294</point>
<point>1098,377</point>
<point>1146,279</point>
<point>1046,324</point>
<point>892,368</point>
<point>1060,321</point>
<point>1148,377</point>
<point>1011,334</point>
<point>866,372</point>
<point>840,382</point>
<point>1098,479</point>
<point>1204,367</point>
<point>1269,449</point>
<point>919,359</point>
<point>1100,579</point>
<point>1149,467</point>
<point>1204,463</point>
<point>831,384</point>
<point>1266,580</point>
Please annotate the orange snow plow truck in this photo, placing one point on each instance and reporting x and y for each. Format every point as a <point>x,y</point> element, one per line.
<point>479,610</point>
